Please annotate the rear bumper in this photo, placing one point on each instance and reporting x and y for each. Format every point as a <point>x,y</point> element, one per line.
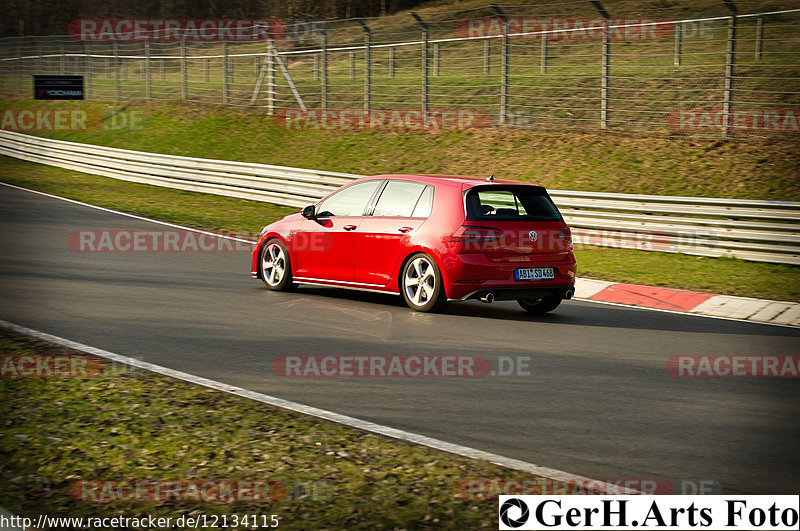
<point>472,276</point>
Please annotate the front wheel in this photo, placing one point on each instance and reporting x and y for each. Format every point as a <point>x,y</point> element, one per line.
<point>276,270</point>
<point>539,306</point>
<point>422,284</point>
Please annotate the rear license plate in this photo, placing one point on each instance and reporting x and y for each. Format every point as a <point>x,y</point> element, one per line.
<point>534,273</point>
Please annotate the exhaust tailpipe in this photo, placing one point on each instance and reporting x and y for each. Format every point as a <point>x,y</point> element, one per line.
<point>488,298</point>
<point>569,293</point>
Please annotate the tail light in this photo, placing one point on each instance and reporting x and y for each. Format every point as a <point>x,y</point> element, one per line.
<point>470,234</point>
<point>564,234</point>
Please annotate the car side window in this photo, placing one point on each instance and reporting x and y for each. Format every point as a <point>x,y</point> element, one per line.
<point>350,201</point>
<point>398,199</point>
<point>425,204</point>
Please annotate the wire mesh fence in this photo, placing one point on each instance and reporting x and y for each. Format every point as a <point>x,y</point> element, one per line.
<point>566,66</point>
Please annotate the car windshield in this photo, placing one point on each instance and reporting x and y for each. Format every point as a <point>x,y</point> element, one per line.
<point>510,203</point>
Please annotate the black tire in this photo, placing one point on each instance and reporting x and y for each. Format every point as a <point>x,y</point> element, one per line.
<point>276,269</point>
<point>539,306</point>
<point>421,284</point>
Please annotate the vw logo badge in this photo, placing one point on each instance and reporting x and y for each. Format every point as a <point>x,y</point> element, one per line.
<point>532,235</point>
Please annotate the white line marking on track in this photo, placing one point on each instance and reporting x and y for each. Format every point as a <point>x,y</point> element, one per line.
<point>457,449</point>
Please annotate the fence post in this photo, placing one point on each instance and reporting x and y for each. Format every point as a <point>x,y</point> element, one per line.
<point>604,81</point>
<point>487,51</point>
<point>62,59</point>
<point>225,73</point>
<point>148,80</point>
<point>270,85</point>
<point>424,68</point>
<point>391,62</point>
<point>86,50</point>
<point>730,63</point>
<point>184,73</point>
<point>324,80</point>
<point>19,69</point>
<point>678,43</point>
<point>543,68</point>
<point>117,80</point>
<point>504,67</point>
<point>367,66</point>
<point>759,37</point>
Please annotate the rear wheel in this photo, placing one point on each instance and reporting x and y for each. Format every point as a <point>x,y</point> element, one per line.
<point>422,284</point>
<point>276,271</point>
<point>539,306</point>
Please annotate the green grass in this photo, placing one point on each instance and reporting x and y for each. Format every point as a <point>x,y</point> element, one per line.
<point>716,275</point>
<point>127,424</point>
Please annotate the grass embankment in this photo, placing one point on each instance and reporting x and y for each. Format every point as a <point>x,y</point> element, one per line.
<point>716,275</point>
<point>128,425</point>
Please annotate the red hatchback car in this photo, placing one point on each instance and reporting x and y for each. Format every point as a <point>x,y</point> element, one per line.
<point>430,238</point>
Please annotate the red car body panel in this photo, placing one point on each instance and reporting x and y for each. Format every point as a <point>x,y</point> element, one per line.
<point>367,252</point>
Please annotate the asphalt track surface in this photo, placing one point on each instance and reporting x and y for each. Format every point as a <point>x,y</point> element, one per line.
<point>599,403</point>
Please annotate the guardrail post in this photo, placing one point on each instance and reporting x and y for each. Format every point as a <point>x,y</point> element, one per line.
<point>38,65</point>
<point>367,66</point>
<point>86,49</point>
<point>759,37</point>
<point>255,67</point>
<point>184,73</point>
<point>504,67</point>
<point>487,51</point>
<point>224,73</point>
<point>117,80</point>
<point>678,43</point>
<point>604,81</point>
<point>161,70</point>
<point>148,81</point>
<point>206,70</point>
<point>352,60</point>
<point>316,66</point>
<point>391,62</point>
<point>730,63</point>
<point>424,27</point>
<point>436,59</point>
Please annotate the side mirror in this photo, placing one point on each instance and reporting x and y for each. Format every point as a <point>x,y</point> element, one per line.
<point>309,212</point>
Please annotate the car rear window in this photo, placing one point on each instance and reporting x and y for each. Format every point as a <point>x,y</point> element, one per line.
<point>510,203</point>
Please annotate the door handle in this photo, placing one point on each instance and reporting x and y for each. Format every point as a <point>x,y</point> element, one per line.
<point>350,227</point>
<point>406,229</point>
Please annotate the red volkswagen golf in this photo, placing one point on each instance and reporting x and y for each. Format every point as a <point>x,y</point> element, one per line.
<point>430,238</point>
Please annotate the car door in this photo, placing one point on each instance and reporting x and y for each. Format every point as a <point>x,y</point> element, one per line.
<point>323,247</point>
<point>399,211</point>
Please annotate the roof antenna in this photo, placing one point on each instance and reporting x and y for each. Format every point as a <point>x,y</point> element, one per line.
<point>491,178</point>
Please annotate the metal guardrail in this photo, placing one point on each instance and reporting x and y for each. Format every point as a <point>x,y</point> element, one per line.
<point>766,231</point>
